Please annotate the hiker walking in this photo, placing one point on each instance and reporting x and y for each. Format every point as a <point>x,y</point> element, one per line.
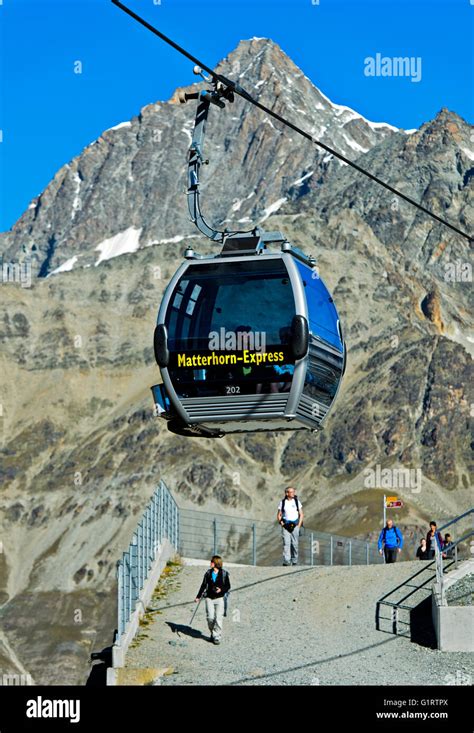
<point>432,537</point>
<point>421,553</point>
<point>448,547</point>
<point>215,586</point>
<point>290,517</point>
<point>390,542</point>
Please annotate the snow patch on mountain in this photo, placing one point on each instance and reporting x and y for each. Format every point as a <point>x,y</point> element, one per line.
<point>65,267</point>
<point>272,209</point>
<point>355,146</point>
<point>467,152</point>
<point>351,114</point>
<point>299,181</point>
<point>119,126</point>
<point>122,243</point>
<point>76,204</point>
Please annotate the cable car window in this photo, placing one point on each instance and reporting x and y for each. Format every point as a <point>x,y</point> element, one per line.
<point>228,329</point>
<point>321,382</point>
<point>322,314</point>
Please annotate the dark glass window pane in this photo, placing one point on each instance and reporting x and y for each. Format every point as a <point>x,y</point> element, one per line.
<point>322,377</point>
<point>217,299</point>
<point>322,313</point>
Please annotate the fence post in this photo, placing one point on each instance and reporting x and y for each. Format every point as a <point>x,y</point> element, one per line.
<point>140,555</point>
<point>331,552</point>
<point>176,527</point>
<point>254,544</point>
<point>215,536</point>
<point>134,572</point>
<point>160,515</point>
<point>151,512</point>
<point>312,548</point>
<point>350,553</point>
<point>147,541</point>
<point>120,597</point>
<point>151,554</point>
<point>395,620</point>
<point>155,525</point>
<point>127,599</point>
<point>144,554</point>
<point>367,550</point>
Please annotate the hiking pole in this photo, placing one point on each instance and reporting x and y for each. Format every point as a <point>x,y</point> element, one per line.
<point>196,609</point>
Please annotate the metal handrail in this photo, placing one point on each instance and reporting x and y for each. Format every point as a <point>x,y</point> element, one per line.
<point>456,519</point>
<point>439,553</point>
<point>438,568</point>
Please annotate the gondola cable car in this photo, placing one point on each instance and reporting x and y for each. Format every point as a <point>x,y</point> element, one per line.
<point>229,359</point>
<point>248,339</point>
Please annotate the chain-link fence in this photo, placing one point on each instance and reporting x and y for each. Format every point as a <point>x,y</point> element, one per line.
<point>159,521</point>
<point>240,540</point>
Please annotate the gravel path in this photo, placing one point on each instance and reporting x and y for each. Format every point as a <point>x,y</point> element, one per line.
<point>294,626</point>
<point>461,593</point>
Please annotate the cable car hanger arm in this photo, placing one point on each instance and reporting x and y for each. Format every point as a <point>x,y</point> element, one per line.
<point>237,89</point>
<point>195,160</point>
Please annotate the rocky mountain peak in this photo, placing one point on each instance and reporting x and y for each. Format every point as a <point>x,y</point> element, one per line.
<point>126,189</point>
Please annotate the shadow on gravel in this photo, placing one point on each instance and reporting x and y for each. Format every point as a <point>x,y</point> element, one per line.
<point>186,631</point>
<point>314,663</point>
<point>422,630</point>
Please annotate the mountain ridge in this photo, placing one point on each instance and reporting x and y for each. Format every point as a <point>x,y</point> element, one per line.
<point>72,188</point>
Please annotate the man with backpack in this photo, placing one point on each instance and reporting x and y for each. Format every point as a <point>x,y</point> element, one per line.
<point>290,517</point>
<point>390,542</point>
<point>215,587</point>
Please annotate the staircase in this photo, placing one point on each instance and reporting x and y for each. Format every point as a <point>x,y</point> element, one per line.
<point>406,610</point>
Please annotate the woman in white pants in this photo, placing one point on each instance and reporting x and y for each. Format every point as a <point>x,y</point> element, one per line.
<point>214,587</point>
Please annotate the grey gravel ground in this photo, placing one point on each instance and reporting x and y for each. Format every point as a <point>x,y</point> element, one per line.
<point>295,626</point>
<point>461,593</point>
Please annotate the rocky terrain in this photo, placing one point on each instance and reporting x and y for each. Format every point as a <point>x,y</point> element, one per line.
<point>81,450</point>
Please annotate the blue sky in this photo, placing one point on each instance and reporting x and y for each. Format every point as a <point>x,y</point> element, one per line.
<point>48,113</point>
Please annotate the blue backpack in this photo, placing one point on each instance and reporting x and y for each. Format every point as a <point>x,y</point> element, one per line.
<point>385,534</point>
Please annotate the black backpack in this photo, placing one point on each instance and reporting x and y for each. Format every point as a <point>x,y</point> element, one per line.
<point>226,595</point>
<point>297,508</point>
<point>283,505</point>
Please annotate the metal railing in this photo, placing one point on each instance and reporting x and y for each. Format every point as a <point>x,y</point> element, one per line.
<point>159,521</point>
<point>407,596</point>
<point>242,540</point>
<point>441,554</point>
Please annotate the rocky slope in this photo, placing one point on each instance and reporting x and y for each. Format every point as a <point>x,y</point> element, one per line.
<point>82,451</point>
